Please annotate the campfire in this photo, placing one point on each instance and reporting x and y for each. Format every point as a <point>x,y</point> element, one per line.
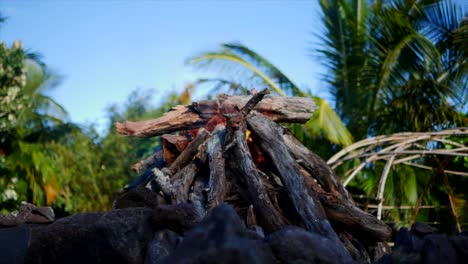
<point>234,150</point>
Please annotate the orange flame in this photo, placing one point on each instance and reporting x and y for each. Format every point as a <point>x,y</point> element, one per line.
<point>253,148</point>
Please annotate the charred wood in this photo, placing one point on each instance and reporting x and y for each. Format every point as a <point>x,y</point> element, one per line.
<point>357,222</point>
<point>317,167</point>
<point>239,161</point>
<point>156,159</point>
<point>269,135</point>
<point>217,185</point>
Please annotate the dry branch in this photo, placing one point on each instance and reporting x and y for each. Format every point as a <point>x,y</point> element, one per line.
<point>146,163</point>
<point>403,148</point>
<point>184,117</point>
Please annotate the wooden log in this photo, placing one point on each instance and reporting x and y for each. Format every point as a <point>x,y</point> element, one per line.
<point>155,159</point>
<point>173,145</point>
<point>180,117</point>
<point>251,222</point>
<point>359,223</point>
<point>270,139</point>
<point>251,219</point>
<point>279,109</point>
<point>184,178</point>
<point>184,117</point>
<point>217,185</point>
<point>196,196</point>
<point>317,167</point>
<point>181,185</point>
<point>335,199</point>
<point>189,152</point>
<point>342,210</point>
<point>164,183</point>
<point>239,162</point>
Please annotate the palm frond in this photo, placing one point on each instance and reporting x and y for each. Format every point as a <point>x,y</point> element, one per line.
<point>234,63</point>
<point>420,45</point>
<point>271,70</point>
<point>326,122</point>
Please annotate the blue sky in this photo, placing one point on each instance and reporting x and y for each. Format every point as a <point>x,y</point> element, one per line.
<point>106,49</point>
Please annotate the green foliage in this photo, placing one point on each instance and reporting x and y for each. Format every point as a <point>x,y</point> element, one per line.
<point>74,169</point>
<point>47,161</point>
<point>398,66</point>
<point>386,58</point>
<point>12,81</point>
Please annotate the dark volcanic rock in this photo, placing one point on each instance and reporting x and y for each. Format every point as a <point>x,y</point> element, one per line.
<point>28,213</point>
<point>14,244</point>
<point>119,236</point>
<point>423,245</point>
<point>220,238</point>
<point>421,230</point>
<point>163,243</point>
<point>437,249</point>
<point>296,245</point>
<point>138,197</point>
<point>178,217</point>
<point>406,242</point>
<point>460,244</point>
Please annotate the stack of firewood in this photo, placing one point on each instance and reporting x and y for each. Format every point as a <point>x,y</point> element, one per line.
<point>233,150</point>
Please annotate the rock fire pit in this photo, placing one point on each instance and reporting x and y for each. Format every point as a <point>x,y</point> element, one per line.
<point>229,185</point>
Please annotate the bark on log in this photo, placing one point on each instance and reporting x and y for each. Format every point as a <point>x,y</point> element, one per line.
<point>144,164</point>
<point>317,167</point>
<point>271,142</point>
<point>359,223</point>
<point>173,145</point>
<point>279,109</point>
<point>154,161</point>
<point>335,199</point>
<point>189,152</point>
<point>196,197</point>
<point>239,162</point>
<point>184,178</point>
<point>338,206</point>
<point>183,182</point>
<point>180,117</point>
<point>346,213</point>
<point>217,182</point>
<point>184,117</point>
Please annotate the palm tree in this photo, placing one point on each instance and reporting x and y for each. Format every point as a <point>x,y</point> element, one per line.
<point>345,54</point>
<point>395,66</point>
<point>380,54</point>
<point>253,70</point>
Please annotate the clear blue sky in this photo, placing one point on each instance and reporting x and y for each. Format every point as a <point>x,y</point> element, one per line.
<point>106,49</point>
